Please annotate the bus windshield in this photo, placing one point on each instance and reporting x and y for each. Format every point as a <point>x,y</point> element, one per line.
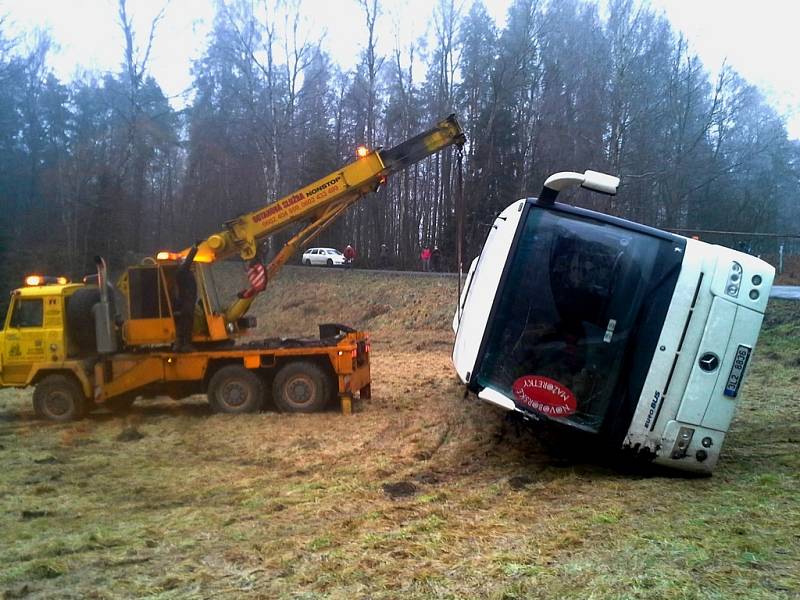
<point>569,312</point>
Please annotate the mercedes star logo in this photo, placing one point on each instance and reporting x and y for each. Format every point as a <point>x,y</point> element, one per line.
<point>709,362</point>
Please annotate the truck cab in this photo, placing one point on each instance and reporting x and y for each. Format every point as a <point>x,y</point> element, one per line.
<point>627,333</point>
<point>33,335</point>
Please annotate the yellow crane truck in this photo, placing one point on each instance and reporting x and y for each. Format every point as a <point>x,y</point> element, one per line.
<point>69,342</point>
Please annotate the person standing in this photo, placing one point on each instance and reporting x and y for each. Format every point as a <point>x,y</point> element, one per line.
<point>384,256</point>
<point>436,260</point>
<point>349,256</point>
<point>186,298</point>
<point>425,255</point>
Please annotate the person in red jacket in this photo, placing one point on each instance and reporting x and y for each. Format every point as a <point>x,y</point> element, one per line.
<point>349,255</point>
<point>425,255</point>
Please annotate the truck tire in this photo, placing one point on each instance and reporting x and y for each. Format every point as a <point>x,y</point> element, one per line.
<point>234,389</point>
<point>80,320</point>
<point>301,387</point>
<point>59,398</point>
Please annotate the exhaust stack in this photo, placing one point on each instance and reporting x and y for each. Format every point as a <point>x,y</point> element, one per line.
<point>103,313</point>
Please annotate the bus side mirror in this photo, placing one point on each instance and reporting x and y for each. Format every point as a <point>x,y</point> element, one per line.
<point>600,182</point>
<point>590,180</point>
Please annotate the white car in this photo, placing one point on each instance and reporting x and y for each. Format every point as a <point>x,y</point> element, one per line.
<point>323,256</point>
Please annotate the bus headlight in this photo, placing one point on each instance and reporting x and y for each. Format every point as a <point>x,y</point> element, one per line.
<point>681,446</point>
<point>734,280</point>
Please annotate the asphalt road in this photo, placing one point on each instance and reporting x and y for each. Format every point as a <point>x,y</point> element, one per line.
<point>786,292</point>
<point>385,271</point>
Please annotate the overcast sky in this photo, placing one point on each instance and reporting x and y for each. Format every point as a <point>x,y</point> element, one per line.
<point>758,38</point>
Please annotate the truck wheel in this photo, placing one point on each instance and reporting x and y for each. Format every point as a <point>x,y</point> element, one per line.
<point>234,389</point>
<point>59,398</point>
<point>301,387</point>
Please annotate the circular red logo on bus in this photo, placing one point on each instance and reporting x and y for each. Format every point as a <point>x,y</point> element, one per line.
<point>544,395</point>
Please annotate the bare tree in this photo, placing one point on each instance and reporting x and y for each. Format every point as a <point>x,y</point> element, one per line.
<point>133,162</point>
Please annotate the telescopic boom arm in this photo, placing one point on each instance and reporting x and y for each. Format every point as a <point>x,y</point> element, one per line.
<point>324,199</point>
<point>319,203</point>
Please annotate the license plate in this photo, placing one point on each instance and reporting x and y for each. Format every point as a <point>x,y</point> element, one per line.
<point>735,378</point>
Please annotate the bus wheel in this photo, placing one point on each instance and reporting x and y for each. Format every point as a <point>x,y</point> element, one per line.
<point>301,386</point>
<point>234,389</point>
<point>59,398</point>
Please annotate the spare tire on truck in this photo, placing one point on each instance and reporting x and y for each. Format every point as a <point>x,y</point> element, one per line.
<point>80,319</point>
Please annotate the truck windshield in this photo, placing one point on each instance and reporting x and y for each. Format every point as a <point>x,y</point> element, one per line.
<point>570,311</point>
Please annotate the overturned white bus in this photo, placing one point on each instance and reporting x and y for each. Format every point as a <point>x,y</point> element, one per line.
<point>634,335</point>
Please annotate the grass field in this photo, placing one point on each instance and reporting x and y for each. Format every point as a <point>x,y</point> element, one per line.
<point>420,494</point>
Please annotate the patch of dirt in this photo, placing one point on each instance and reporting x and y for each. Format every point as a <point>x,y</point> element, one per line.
<point>130,434</point>
<point>376,310</point>
<point>782,312</point>
<point>33,514</point>
<point>307,444</point>
<point>433,345</point>
<point>19,592</point>
<point>519,482</point>
<point>401,489</point>
<point>294,303</point>
<point>793,362</point>
<point>427,478</point>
